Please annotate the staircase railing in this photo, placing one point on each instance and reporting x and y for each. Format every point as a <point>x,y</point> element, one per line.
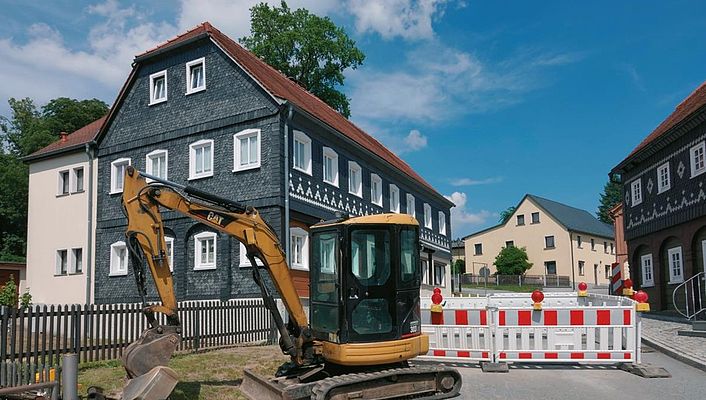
<point>693,293</point>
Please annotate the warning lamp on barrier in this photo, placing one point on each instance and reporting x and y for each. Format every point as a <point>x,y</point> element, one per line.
<point>583,289</point>
<point>437,315</point>
<point>537,298</point>
<point>627,288</point>
<point>641,298</point>
<point>436,300</point>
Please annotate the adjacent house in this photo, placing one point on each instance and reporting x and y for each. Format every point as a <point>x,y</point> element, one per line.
<point>200,109</point>
<point>665,201</point>
<point>621,255</point>
<point>560,241</point>
<point>61,216</point>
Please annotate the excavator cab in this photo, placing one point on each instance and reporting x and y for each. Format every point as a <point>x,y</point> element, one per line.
<point>364,288</point>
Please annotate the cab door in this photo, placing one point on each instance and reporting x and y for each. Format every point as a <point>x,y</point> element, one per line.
<point>370,289</point>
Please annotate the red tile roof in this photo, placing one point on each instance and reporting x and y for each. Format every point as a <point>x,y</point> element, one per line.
<point>76,138</point>
<point>693,102</point>
<point>281,86</point>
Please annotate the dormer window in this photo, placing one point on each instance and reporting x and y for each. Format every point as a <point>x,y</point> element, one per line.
<point>158,87</point>
<point>196,76</point>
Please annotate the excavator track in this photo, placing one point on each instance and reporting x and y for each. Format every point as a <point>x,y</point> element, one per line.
<point>418,382</point>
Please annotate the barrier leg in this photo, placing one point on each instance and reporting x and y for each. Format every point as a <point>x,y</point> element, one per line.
<point>493,365</point>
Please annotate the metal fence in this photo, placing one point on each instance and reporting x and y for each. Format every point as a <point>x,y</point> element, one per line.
<point>516,280</point>
<point>32,340</point>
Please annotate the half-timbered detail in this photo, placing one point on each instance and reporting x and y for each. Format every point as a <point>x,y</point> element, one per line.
<point>665,226</point>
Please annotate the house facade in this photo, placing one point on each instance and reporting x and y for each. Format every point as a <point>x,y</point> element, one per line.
<point>560,240</point>
<point>664,202</point>
<point>61,215</point>
<point>202,110</point>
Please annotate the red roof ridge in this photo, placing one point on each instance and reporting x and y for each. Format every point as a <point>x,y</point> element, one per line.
<point>78,137</point>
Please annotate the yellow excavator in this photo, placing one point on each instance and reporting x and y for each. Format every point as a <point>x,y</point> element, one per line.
<point>364,301</point>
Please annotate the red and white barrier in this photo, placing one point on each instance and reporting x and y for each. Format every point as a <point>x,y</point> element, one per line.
<point>510,328</point>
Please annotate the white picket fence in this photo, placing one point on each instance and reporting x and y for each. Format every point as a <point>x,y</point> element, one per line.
<point>505,328</point>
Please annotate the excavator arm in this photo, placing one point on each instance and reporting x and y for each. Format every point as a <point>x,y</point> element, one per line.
<point>142,203</point>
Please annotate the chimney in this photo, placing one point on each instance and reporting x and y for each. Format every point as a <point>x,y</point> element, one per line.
<point>63,136</point>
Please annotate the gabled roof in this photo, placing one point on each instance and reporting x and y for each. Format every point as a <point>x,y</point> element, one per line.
<point>73,141</point>
<point>572,218</point>
<point>278,85</point>
<point>695,101</point>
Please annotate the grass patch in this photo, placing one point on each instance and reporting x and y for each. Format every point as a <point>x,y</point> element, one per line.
<point>209,375</point>
<point>509,288</point>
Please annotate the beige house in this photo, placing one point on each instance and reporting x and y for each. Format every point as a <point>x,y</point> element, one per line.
<point>559,239</point>
<point>60,227</point>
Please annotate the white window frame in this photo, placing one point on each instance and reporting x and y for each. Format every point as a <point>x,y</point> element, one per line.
<point>198,265</point>
<point>306,141</point>
<point>192,159</point>
<point>661,188</point>
<point>63,182</point>
<point>354,167</point>
<point>700,147</point>
<point>114,169</point>
<point>304,235</point>
<point>425,272</point>
<point>442,223</point>
<point>72,265</point>
<point>427,216</point>
<point>75,180</point>
<point>376,198</point>
<point>245,261</point>
<point>237,156</point>
<point>636,192</point>
<point>411,202</point>
<point>442,268</point>
<point>189,65</point>
<point>169,241</point>
<point>58,262</point>
<point>673,278</point>
<point>154,77</point>
<point>331,154</point>
<point>115,265</point>
<point>647,281</point>
<point>148,163</point>
<point>394,198</point>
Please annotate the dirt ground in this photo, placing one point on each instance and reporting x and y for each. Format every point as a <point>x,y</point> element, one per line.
<point>209,375</point>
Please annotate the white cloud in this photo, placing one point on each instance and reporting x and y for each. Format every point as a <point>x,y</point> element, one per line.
<point>409,19</point>
<point>462,220</point>
<point>437,83</point>
<point>415,141</point>
<point>475,182</point>
<point>232,17</point>
<point>395,141</point>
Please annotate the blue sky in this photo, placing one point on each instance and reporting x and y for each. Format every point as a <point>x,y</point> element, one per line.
<point>486,100</point>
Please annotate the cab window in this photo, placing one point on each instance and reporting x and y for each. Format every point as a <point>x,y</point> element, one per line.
<point>370,256</point>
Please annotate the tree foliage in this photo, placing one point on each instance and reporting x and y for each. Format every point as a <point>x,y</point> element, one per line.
<point>506,214</point>
<point>310,49</point>
<point>459,267</point>
<point>512,261</point>
<point>9,297</point>
<point>612,195</point>
<point>25,131</point>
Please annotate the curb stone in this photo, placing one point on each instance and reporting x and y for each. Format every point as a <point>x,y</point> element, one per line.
<point>674,353</point>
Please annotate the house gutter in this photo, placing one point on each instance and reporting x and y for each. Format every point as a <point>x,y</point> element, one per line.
<point>287,239</point>
<point>573,271</point>
<point>90,147</point>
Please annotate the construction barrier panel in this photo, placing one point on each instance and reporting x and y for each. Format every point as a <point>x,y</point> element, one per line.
<point>506,328</point>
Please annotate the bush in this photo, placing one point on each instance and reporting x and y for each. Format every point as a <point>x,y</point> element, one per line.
<point>9,298</point>
<point>512,261</point>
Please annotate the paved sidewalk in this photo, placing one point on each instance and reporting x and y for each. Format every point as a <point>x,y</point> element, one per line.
<point>662,335</point>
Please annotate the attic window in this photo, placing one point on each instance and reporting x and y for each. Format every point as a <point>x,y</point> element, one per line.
<point>158,87</point>
<point>196,76</point>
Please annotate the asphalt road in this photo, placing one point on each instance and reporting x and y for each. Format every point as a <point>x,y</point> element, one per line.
<point>548,382</point>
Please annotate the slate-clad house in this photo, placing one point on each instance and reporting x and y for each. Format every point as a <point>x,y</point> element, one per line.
<point>202,110</point>
<point>665,203</point>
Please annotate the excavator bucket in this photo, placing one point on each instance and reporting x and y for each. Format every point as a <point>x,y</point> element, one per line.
<point>157,384</point>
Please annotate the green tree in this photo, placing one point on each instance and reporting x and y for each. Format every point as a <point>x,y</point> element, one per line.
<point>9,297</point>
<point>310,49</point>
<point>24,132</point>
<point>512,261</point>
<point>612,195</point>
<point>506,214</point>
<point>459,267</point>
